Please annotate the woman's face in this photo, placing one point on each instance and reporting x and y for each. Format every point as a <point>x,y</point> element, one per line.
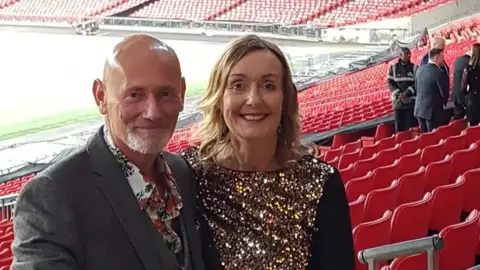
<point>252,100</point>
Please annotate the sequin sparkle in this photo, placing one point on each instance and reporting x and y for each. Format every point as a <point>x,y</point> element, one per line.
<point>262,220</point>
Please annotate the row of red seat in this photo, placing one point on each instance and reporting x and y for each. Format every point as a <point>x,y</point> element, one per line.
<point>322,13</point>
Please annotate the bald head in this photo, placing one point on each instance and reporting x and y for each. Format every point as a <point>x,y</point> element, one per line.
<point>438,43</point>
<point>141,94</point>
<point>134,50</point>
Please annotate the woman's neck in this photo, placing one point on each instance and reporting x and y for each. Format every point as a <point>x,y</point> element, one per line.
<point>252,155</point>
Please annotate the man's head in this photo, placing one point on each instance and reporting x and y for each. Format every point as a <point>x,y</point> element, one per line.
<point>436,56</point>
<point>141,94</point>
<point>438,43</point>
<point>405,55</point>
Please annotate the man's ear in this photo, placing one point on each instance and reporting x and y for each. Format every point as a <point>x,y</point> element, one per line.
<point>183,90</point>
<point>98,90</point>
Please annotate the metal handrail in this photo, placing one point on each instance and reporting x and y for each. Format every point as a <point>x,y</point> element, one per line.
<point>373,256</point>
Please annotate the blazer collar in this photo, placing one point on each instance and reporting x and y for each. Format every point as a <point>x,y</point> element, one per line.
<point>153,252</point>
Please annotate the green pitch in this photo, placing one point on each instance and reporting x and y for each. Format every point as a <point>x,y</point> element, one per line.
<point>75,116</point>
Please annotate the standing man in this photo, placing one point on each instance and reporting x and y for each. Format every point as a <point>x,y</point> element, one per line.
<point>432,92</point>
<point>401,81</point>
<point>120,202</point>
<point>458,96</point>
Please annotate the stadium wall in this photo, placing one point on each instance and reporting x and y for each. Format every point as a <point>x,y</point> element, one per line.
<point>444,14</point>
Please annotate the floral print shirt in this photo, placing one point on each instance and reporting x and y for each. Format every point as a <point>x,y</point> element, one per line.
<point>163,210</point>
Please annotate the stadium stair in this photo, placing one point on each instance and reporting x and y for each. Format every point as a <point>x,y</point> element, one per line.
<point>131,10</point>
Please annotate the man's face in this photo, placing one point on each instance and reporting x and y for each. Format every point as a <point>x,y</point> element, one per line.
<point>142,101</point>
<point>405,56</point>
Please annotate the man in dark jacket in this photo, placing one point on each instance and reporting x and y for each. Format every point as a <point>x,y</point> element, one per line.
<point>458,96</point>
<point>432,92</point>
<point>401,81</point>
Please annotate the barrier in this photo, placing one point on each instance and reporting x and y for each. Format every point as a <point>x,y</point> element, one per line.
<point>7,203</point>
<point>373,256</point>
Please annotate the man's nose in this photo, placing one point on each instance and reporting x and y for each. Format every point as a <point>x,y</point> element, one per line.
<point>152,109</point>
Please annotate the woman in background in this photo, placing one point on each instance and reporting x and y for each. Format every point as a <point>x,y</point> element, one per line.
<point>269,204</point>
<point>471,86</point>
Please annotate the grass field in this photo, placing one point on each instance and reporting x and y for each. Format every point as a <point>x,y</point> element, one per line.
<point>74,116</point>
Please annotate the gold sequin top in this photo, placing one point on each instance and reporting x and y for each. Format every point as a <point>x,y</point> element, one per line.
<point>267,220</point>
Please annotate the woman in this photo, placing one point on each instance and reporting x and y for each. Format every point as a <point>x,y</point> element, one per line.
<point>471,86</point>
<point>268,204</point>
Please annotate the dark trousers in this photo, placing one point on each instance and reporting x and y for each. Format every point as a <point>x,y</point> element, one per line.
<point>473,115</point>
<point>404,119</point>
<point>459,111</point>
<point>429,125</point>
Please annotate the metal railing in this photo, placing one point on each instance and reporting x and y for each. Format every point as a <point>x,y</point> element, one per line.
<point>7,204</point>
<point>431,245</point>
<point>204,27</point>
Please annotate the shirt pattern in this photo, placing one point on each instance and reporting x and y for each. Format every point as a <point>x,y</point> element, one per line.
<point>162,210</point>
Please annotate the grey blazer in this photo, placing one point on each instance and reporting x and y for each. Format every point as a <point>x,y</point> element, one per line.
<point>80,213</point>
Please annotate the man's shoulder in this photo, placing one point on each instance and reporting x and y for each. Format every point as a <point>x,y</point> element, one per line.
<point>66,169</point>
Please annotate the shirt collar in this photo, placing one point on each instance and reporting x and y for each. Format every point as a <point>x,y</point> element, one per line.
<point>141,187</point>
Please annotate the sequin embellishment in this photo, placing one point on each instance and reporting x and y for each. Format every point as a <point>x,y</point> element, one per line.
<point>262,220</point>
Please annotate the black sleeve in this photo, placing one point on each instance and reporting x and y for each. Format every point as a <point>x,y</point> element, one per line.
<point>332,246</point>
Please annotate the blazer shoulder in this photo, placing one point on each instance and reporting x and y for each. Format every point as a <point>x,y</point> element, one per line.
<point>71,165</point>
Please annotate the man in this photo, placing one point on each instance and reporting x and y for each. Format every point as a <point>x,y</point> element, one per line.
<point>432,92</point>
<point>401,81</point>
<point>458,96</point>
<point>119,202</point>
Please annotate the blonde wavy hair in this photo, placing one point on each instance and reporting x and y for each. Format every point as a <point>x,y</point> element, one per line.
<point>213,133</point>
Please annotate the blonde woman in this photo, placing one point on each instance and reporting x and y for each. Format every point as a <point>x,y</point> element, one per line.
<point>269,204</point>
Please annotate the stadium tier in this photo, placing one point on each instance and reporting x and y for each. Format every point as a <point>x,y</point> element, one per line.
<point>323,13</point>
<point>390,179</point>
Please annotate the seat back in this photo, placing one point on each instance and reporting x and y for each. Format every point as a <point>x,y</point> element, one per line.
<point>437,174</point>
<point>409,146</point>
<point>454,143</point>
<point>401,228</point>
<point>433,153</point>
<point>409,163</point>
<point>471,199</point>
<point>357,211</point>
<point>411,186</point>
<point>371,234</point>
<point>414,262</point>
<point>463,161</point>
<point>460,243</point>
<point>347,159</point>
<point>446,205</point>
<point>359,186</point>
<point>380,200</point>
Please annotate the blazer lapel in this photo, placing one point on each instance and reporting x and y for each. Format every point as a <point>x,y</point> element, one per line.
<point>150,248</point>
<point>185,180</point>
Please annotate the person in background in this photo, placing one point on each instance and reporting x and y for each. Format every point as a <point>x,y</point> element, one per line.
<point>437,43</point>
<point>432,92</point>
<point>458,96</point>
<point>269,204</point>
<point>401,81</point>
<point>471,86</point>
<point>119,202</point>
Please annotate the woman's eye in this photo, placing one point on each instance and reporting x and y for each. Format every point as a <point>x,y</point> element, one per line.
<point>269,86</point>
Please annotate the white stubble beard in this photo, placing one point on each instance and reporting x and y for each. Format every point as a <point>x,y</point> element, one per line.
<point>143,146</point>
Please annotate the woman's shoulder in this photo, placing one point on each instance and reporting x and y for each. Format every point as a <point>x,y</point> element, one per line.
<point>190,155</point>
<point>316,173</point>
<point>316,165</point>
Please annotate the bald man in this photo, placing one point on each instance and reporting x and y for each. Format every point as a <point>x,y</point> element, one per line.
<point>437,43</point>
<point>120,202</point>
